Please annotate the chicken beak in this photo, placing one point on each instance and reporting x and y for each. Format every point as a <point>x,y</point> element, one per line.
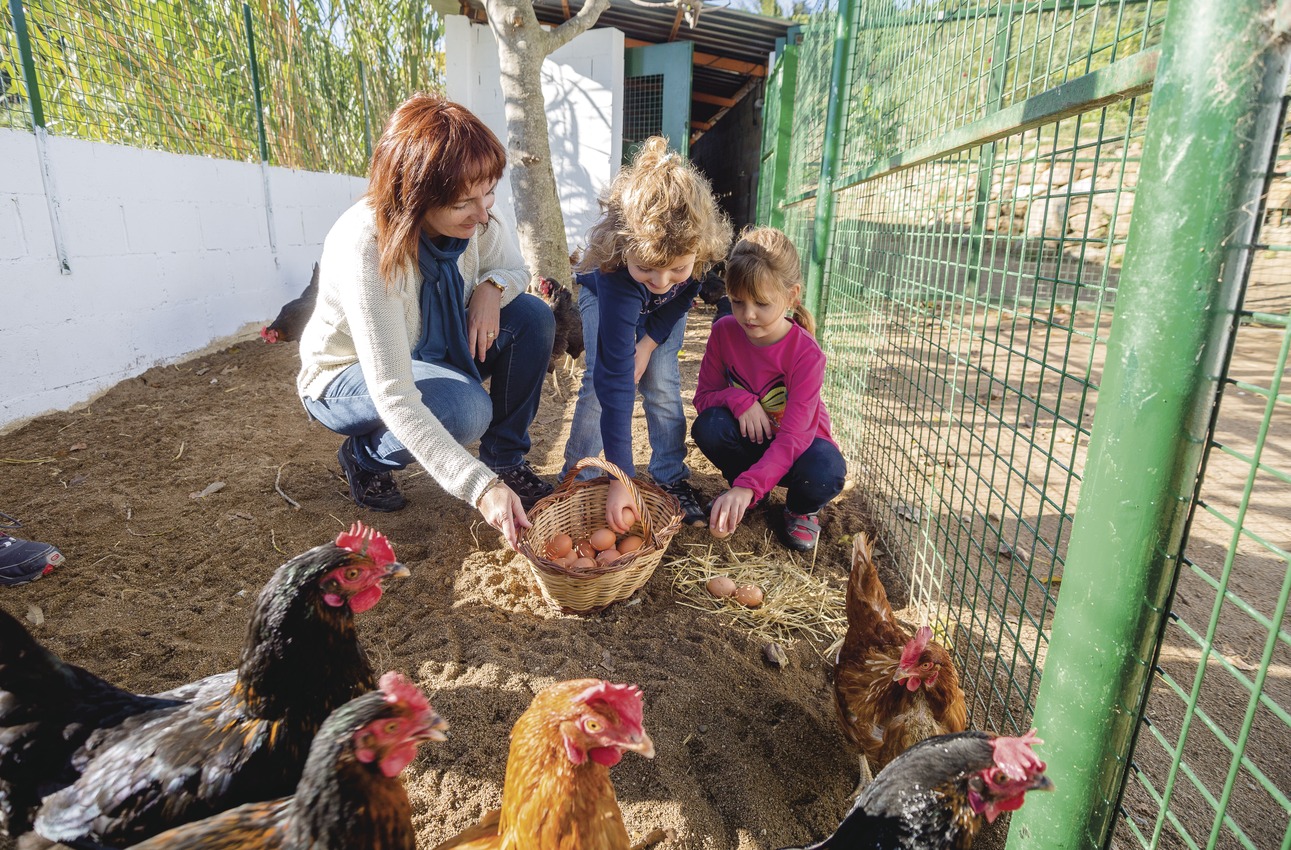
<point>394,569</point>
<point>1040,783</point>
<point>640,744</point>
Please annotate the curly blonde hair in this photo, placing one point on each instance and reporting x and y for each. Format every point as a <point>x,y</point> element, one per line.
<point>764,268</point>
<point>657,209</point>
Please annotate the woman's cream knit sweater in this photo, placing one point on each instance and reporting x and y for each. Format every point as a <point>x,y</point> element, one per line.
<point>362,318</point>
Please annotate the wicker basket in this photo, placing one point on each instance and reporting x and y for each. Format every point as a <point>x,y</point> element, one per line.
<point>577,508</point>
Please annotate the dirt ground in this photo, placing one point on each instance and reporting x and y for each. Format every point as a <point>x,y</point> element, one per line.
<point>158,584</point>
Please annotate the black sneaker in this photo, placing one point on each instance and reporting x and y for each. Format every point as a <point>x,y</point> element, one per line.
<point>376,491</point>
<point>526,484</point>
<point>22,561</point>
<point>692,513</point>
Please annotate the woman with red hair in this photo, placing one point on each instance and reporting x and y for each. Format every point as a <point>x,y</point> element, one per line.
<point>421,298</point>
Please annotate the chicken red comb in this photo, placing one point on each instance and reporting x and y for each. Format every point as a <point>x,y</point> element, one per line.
<point>915,647</point>
<point>362,540</point>
<point>624,699</point>
<point>268,334</point>
<point>399,689</point>
<point>1015,758</point>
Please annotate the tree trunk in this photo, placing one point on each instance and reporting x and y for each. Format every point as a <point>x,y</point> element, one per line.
<point>522,46</point>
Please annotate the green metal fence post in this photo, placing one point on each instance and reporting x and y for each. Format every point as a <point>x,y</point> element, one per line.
<point>255,83</point>
<point>264,140</point>
<point>839,88</point>
<point>37,110</point>
<point>787,74</point>
<point>1175,313</point>
<point>367,113</point>
<point>28,63</point>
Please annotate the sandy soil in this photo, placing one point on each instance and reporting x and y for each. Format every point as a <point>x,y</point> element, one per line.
<point>158,584</point>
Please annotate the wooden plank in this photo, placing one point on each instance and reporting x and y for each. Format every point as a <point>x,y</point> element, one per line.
<point>709,60</point>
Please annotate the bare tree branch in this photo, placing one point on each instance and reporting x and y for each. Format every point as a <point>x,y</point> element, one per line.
<point>578,24</point>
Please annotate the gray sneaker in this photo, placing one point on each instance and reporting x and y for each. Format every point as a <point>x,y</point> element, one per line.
<point>692,513</point>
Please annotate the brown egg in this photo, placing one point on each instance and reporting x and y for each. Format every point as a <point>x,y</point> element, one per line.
<point>720,535</point>
<point>607,556</point>
<point>749,596</point>
<point>559,546</point>
<point>584,548</point>
<point>602,539</point>
<point>568,559</point>
<point>721,586</point>
<point>631,543</point>
<point>583,564</point>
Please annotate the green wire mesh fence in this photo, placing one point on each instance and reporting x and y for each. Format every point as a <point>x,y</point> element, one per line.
<point>982,201</point>
<point>179,76</point>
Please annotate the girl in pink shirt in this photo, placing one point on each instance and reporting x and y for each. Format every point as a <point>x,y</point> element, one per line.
<point>761,419</point>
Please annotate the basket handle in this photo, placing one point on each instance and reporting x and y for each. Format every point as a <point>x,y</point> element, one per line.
<point>647,531</point>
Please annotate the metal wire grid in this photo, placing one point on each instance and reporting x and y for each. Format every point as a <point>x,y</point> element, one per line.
<point>770,137</point>
<point>315,110</point>
<point>1210,768</point>
<point>966,343</point>
<point>642,111</point>
<point>921,70</point>
<point>815,59</point>
<point>158,75</point>
<point>14,111</point>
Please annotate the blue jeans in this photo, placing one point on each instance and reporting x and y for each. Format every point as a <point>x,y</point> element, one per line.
<point>499,418</point>
<point>660,390</point>
<point>815,478</point>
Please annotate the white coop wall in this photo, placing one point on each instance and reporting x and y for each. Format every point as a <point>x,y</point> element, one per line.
<point>168,254</point>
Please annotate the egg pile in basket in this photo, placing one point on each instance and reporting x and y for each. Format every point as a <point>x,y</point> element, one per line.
<point>581,585</point>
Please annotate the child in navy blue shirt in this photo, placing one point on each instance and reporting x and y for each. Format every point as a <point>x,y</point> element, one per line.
<point>659,229</point>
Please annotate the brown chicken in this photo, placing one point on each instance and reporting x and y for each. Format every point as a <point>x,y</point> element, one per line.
<point>84,762</point>
<point>569,323</point>
<point>350,795</point>
<point>294,315</point>
<point>558,792</point>
<point>936,794</point>
<point>892,689</point>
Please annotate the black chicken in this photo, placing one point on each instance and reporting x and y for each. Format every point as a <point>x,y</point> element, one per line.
<point>294,315</point>
<point>350,795</point>
<point>569,323</point>
<point>935,795</point>
<point>84,761</point>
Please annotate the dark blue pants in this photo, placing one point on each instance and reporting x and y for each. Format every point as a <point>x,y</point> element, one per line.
<point>499,418</point>
<point>815,478</point>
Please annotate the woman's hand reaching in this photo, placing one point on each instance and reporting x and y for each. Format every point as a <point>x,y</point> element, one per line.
<point>620,512</point>
<point>501,509</point>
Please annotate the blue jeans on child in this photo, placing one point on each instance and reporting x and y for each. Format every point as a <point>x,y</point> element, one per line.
<point>815,478</point>
<point>660,389</point>
<point>499,417</point>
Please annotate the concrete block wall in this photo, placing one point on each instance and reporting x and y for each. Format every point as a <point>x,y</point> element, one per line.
<point>168,254</point>
<point>583,87</point>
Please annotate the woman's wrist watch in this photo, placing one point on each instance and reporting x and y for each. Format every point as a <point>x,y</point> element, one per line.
<point>501,287</point>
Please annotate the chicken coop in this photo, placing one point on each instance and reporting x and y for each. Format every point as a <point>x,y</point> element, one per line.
<point>1046,243</point>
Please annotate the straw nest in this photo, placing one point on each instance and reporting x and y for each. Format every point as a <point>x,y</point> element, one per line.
<point>796,603</point>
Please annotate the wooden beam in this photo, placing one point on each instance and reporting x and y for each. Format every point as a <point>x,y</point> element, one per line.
<point>715,100</point>
<point>702,126</point>
<point>739,95</point>
<point>564,5</point>
<point>709,60</point>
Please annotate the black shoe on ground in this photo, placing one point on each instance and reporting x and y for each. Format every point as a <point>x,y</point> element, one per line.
<point>692,513</point>
<point>22,561</point>
<point>376,491</point>
<point>526,484</point>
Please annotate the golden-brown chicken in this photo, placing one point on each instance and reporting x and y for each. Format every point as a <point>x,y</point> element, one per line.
<point>558,792</point>
<point>893,690</point>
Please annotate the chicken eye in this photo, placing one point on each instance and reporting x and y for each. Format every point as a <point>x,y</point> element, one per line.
<point>592,725</point>
<point>392,727</point>
<point>352,573</point>
<point>1000,777</point>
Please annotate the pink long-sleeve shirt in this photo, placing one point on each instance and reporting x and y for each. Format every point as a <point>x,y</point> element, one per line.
<point>785,378</point>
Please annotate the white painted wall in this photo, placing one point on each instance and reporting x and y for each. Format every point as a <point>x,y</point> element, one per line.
<point>168,254</point>
<point>583,86</point>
